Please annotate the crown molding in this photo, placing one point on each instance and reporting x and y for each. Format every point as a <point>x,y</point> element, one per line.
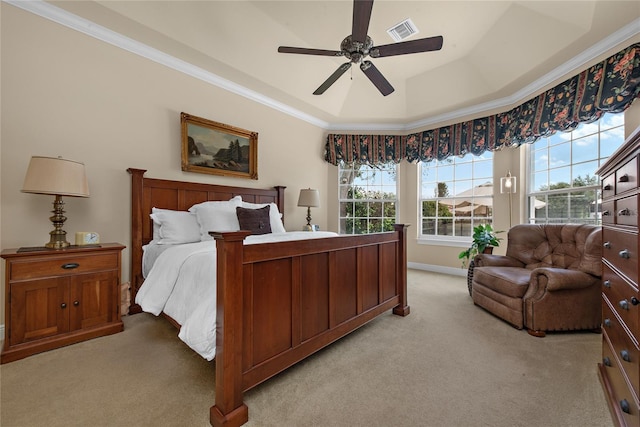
<point>74,22</point>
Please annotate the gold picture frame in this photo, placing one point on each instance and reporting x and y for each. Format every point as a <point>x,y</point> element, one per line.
<point>218,149</point>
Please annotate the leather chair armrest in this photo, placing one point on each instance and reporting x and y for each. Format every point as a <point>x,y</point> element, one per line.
<point>559,278</point>
<point>490,260</point>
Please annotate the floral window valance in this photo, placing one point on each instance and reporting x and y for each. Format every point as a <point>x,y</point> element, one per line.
<point>609,86</point>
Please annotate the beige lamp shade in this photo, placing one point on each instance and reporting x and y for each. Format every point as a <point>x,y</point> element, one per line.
<point>57,176</point>
<point>309,198</point>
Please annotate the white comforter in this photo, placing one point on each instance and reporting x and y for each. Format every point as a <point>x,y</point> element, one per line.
<point>181,284</point>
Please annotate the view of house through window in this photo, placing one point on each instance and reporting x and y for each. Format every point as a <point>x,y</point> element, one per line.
<point>456,194</point>
<point>368,198</point>
<point>563,186</point>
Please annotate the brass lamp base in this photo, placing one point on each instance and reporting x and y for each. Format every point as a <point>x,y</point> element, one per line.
<point>58,239</point>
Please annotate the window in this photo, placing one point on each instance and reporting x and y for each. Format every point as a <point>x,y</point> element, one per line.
<point>563,186</point>
<point>456,194</point>
<point>368,198</point>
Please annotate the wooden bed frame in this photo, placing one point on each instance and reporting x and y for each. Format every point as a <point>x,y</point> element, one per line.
<point>277,303</point>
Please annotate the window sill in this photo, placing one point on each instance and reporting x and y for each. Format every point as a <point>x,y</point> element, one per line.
<point>459,242</point>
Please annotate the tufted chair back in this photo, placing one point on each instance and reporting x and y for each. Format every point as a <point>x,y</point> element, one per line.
<point>569,246</point>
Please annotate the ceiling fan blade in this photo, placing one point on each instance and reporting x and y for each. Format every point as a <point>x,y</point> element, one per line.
<point>306,51</point>
<point>376,78</point>
<point>332,78</point>
<point>361,18</point>
<point>402,48</point>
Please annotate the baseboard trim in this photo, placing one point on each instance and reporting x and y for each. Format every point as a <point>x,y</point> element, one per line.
<point>454,271</point>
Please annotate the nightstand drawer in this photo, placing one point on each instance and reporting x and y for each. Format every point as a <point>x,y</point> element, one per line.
<point>623,346</point>
<point>621,295</point>
<point>52,266</point>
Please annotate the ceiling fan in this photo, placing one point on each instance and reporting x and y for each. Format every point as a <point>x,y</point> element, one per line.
<point>357,46</point>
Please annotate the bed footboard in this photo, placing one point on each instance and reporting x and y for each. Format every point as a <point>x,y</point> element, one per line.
<point>278,303</point>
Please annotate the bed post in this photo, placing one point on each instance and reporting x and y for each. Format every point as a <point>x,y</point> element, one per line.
<point>402,309</point>
<point>280,199</point>
<point>136,236</point>
<point>229,409</point>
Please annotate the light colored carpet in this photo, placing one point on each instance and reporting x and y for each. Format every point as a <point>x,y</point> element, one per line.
<point>449,363</point>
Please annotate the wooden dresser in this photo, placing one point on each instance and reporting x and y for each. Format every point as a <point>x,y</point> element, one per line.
<point>59,297</point>
<point>620,368</point>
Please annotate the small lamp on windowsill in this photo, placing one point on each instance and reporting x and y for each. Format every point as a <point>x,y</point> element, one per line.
<point>309,198</point>
<point>508,185</point>
<point>58,177</point>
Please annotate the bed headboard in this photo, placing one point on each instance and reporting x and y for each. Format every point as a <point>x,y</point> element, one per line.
<point>147,193</point>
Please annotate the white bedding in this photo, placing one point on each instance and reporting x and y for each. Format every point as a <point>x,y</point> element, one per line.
<point>181,284</point>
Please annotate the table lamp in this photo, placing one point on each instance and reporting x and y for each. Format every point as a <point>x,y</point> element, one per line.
<point>309,198</point>
<point>58,177</point>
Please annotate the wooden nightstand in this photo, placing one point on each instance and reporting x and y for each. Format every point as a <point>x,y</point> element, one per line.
<point>55,298</point>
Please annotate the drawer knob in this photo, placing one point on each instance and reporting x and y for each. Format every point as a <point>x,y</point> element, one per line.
<point>607,283</point>
<point>63,305</point>
<point>624,405</point>
<point>606,213</point>
<point>624,254</point>
<point>70,265</point>
<point>635,301</point>
<point>607,323</point>
<point>624,304</point>
<point>76,303</point>
<point>606,361</point>
<point>624,212</point>
<point>625,355</point>
<point>624,178</point>
<point>607,187</point>
<point>607,245</point>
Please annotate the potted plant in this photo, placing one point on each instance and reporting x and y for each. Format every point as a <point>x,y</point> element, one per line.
<point>484,239</point>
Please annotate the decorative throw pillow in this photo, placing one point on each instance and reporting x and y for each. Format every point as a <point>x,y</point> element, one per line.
<point>174,227</point>
<point>275,217</point>
<point>255,220</point>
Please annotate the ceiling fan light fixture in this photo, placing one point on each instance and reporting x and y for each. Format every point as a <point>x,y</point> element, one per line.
<point>403,30</point>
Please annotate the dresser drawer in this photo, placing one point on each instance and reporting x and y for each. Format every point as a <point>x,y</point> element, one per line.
<point>627,176</point>
<point>608,186</point>
<point>52,266</point>
<point>621,295</point>
<point>620,248</point>
<point>624,348</point>
<point>622,397</point>
<point>608,212</point>
<point>627,211</point>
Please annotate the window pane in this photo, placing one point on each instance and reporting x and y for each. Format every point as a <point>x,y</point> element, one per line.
<point>584,149</point>
<point>368,198</point>
<point>559,178</point>
<point>462,196</point>
<point>540,181</point>
<point>591,144</point>
<point>559,155</point>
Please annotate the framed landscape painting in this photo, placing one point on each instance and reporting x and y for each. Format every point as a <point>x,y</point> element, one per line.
<point>218,149</point>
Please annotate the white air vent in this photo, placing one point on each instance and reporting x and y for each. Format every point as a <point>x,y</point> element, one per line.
<point>403,30</point>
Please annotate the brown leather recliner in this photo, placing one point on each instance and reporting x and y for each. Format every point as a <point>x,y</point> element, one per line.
<point>549,279</point>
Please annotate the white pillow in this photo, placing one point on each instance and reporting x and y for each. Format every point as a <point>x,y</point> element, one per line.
<point>174,227</point>
<point>217,216</point>
<point>275,217</point>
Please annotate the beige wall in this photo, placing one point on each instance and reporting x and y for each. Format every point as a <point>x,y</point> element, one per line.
<point>67,94</point>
